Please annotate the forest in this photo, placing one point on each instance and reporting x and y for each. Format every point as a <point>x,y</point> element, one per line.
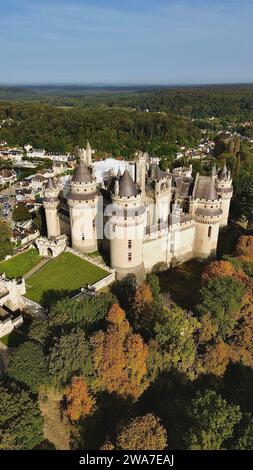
<point>102,362</point>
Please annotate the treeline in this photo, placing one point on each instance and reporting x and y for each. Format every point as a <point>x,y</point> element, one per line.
<point>117,131</point>
<point>221,101</point>
<point>130,369</point>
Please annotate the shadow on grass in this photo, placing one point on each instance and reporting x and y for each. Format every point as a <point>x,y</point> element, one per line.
<point>51,296</point>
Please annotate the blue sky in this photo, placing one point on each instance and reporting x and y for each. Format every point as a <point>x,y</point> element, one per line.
<point>126,41</point>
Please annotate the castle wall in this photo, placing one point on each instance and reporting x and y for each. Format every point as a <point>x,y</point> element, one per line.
<point>155,251</point>
<point>53,224</point>
<point>183,242</point>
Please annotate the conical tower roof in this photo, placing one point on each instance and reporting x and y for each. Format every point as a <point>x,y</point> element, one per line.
<point>88,145</point>
<point>214,170</point>
<point>211,192</point>
<point>82,174</point>
<point>127,188</point>
<point>223,173</point>
<point>50,183</point>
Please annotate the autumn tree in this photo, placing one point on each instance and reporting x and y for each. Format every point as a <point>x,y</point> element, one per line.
<point>244,248</point>
<point>143,433</point>
<point>212,421</point>
<point>218,269</point>
<point>79,402</point>
<point>216,358</point>
<point>119,357</point>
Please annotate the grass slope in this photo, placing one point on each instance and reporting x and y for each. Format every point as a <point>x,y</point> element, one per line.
<point>21,264</point>
<point>60,277</point>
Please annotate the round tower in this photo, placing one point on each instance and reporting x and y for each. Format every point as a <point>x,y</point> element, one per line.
<point>50,204</point>
<point>223,184</point>
<point>88,154</point>
<point>125,228</point>
<point>83,201</point>
<point>208,213</point>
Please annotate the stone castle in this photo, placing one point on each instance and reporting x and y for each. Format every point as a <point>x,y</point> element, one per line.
<point>145,220</point>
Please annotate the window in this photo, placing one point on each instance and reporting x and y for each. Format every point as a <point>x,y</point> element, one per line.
<point>83,237</point>
<point>129,256</point>
<point>129,244</point>
<point>93,223</point>
<point>209,232</point>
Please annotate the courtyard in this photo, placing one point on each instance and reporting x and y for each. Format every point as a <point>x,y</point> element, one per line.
<point>61,277</point>
<point>21,264</point>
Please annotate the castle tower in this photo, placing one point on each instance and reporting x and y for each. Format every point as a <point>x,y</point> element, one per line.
<point>88,154</point>
<point>141,170</point>
<point>162,196</point>
<point>50,204</point>
<point>223,184</point>
<point>83,204</point>
<point>205,206</point>
<point>125,228</point>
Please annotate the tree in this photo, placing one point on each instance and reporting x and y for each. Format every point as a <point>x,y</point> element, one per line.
<point>175,337</point>
<point>20,213</point>
<point>70,356</point>
<point>20,419</point>
<point>243,435</point>
<point>28,365</point>
<point>86,313</point>
<point>143,433</point>
<point>222,298</point>
<point>119,357</point>
<point>5,240</point>
<point>216,358</point>
<point>79,402</point>
<point>244,248</point>
<point>124,290</point>
<point>212,421</point>
<point>217,269</point>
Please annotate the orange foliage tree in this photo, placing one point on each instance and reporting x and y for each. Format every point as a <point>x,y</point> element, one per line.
<point>78,400</point>
<point>143,297</point>
<point>119,357</point>
<point>216,269</point>
<point>216,358</point>
<point>244,248</point>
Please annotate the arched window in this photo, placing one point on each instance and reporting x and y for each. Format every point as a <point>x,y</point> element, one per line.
<point>209,231</point>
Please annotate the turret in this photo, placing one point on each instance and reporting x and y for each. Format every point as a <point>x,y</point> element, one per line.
<point>88,154</point>
<point>223,184</point>
<point>83,204</point>
<point>125,228</point>
<point>141,170</point>
<point>205,206</point>
<point>50,204</point>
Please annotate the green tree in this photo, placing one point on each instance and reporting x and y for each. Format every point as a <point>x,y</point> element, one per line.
<point>222,299</point>
<point>20,419</point>
<point>175,337</point>
<point>5,240</point>
<point>243,435</point>
<point>70,356</point>
<point>212,421</point>
<point>20,213</point>
<point>28,365</point>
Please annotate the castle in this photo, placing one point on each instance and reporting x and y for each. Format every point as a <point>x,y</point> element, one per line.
<point>144,220</point>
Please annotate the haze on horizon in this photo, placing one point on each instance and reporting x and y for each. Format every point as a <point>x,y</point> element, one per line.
<point>126,42</point>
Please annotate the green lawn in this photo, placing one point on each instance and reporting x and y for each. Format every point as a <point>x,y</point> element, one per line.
<point>13,339</point>
<point>20,264</point>
<point>60,277</point>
